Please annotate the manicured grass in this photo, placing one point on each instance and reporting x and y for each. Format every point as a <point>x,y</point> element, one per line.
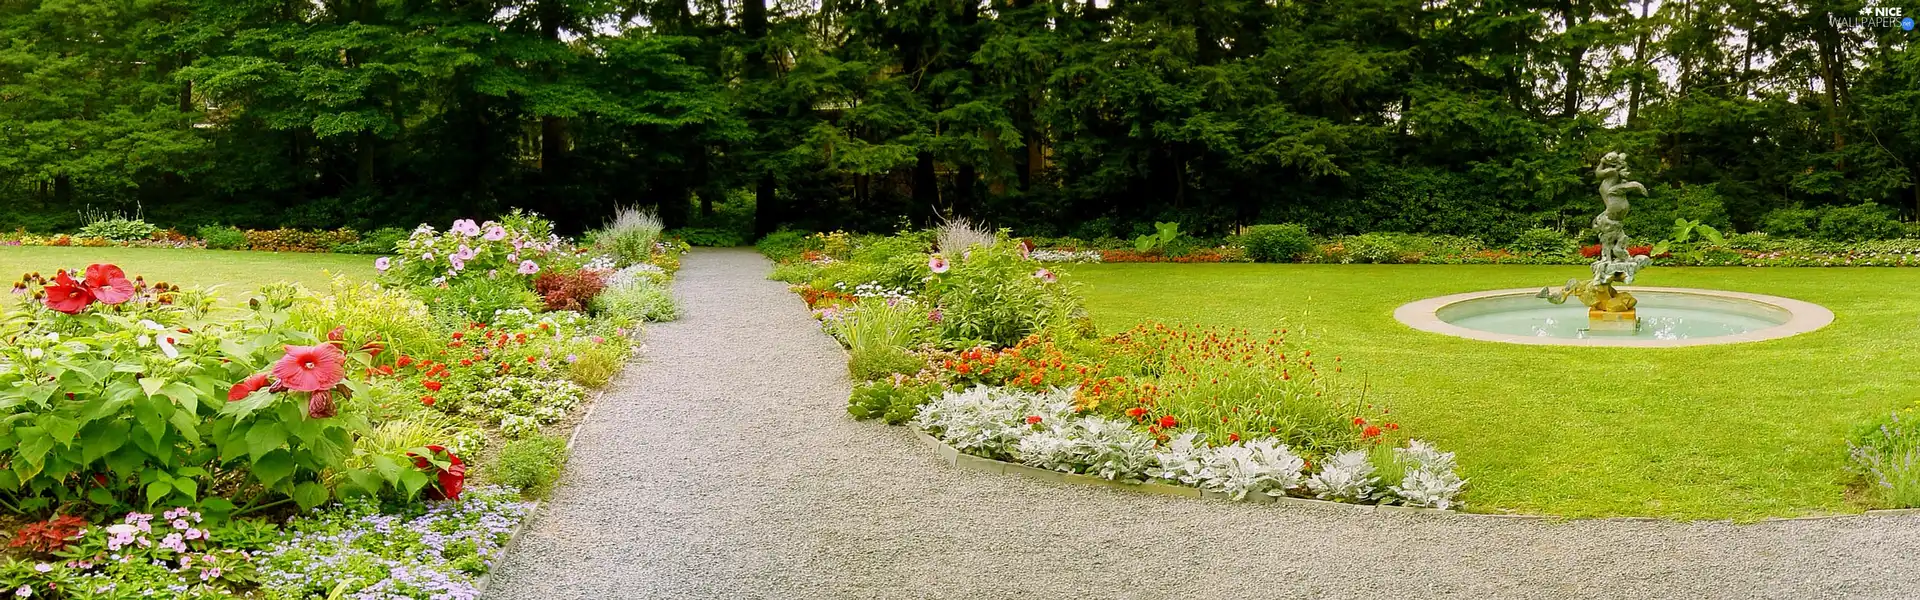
<point>1741,431</point>
<point>235,272</point>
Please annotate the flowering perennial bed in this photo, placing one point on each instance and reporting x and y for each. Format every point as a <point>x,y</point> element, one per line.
<point>154,441</point>
<point>989,352</point>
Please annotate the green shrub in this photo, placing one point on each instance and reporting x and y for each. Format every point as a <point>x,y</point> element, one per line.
<point>370,313</point>
<point>1276,243</point>
<point>378,241</point>
<point>478,299</point>
<point>1757,242</point>
<point>629,237</point>
<point>1886,454</point>
<point>784,246</point>
<point>222,237</point>
<point>297,240</point>
<point>119,229</point>
<point>1858,223</point>
<point>1544,241</point>
<point>880,337</point>
<point>994,296</point>
<point>894,400</point>
<point>595,364</point>
<point>532,464</point>
<point>1375,248</point>
<point>714,237</point>
<point>639,300</point>
<point>1790,222</point>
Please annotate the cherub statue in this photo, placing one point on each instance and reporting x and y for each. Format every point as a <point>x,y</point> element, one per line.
<point>1613,173</point>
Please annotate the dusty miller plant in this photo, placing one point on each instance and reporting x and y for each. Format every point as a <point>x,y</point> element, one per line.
<point>1098,446</point>
<point>1347,476</point>
<point>987,421</point>
<point>1245,467</point>
<point>1430,479</point>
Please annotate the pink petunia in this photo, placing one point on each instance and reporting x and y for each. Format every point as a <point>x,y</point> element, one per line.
<point>938,263</point>
<point>528,267</point>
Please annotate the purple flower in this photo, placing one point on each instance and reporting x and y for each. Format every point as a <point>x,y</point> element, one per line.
<point>382,264</point>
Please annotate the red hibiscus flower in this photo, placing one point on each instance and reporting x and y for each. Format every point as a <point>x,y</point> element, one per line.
<point>1168,422</point>
<point>247,386</point>
<point>311,368</point>
<point>451,479</point>
<point>108,284</point>
<point>66,295</point>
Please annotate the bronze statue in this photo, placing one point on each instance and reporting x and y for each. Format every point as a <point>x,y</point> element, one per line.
<point>1608,308</point>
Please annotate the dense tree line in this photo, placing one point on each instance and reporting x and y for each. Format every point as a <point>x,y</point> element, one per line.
<point>1055,117</point>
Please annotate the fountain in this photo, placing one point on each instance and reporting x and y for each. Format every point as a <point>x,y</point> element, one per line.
<point>1612,316</point>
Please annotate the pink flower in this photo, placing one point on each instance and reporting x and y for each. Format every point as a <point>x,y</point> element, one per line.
<point>382,264</point>
<point>108,284</point>
<point>938,263</point>
<point>465,227</point>
<point>320,405</point>
<point>527,267</point>
<point>496,233</point>
<point>1046,276</point>
<point>466,253</point>
<point>247,386</point>
<point>311,368</point>
<point>457,262</point>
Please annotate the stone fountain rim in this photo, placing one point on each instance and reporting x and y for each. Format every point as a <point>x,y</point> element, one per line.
<point>1802,317</point>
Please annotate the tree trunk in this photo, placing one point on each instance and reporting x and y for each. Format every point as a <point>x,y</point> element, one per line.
<point>926,186</point>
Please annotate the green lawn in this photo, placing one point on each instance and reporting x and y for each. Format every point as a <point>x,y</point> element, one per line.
<point>236,272</point>
<point>1741,431</point>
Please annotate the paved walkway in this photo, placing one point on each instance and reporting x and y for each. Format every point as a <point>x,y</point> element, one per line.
<point>725,466</point>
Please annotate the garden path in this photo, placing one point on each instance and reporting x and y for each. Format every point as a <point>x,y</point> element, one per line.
<point>725,466</point>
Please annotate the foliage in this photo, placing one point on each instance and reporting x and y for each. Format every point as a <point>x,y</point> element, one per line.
<point>220,237</point>
<point>994,295</point>
<point>710,237</point>
<point>530,465</point>
<point>785,246</point>
<point>1276,243</point>
<point>958,235</point>
<point>1790,222</point>
<point>880,336</point>
<point>569,290</point>
<point>1856,223</point>
<point>637,300</point>
<point>119,229</point>
<point>415,551</point>
<point>1164,235</point>
<point>1886,453</point>
<point>478,299</point>
<point>629,237</point>
<point>297,240</point>
<point>1542,240</point>
<point>369,316</point>
<point>511,250</point>
<point>1236,469</point>
<point>895,399</point>
<point>593,365</point>
<point>379,241</point>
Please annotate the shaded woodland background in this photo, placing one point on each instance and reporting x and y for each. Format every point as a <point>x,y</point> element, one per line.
<point>1052,117</point>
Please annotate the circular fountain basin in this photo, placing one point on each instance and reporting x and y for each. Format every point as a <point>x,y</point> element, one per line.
<point>1668,317</point>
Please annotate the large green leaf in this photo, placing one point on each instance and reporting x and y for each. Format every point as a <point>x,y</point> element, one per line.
<point>265,437</point>
<point>273,467</point>
<point>310,494</point>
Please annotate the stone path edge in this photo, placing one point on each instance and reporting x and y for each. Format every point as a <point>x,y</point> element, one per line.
<point>955,458</point>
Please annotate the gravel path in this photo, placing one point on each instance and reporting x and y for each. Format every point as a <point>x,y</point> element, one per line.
<point>725,466</point>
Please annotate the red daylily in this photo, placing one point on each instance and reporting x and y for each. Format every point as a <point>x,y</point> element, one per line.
<point>311,368</point>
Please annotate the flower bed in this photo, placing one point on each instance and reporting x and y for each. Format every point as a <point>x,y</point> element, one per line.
<point>240,426</point>
<point>986,350</point>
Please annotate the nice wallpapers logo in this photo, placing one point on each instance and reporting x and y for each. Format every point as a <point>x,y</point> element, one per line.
<point>1875,15</point>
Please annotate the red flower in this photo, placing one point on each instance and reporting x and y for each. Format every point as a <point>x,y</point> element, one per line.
<point>404,360</point>
<point>339,334</point>
<point>66,295</point>
<point>1167,422</point>
<point>1233,437</point>
<point>1393,426</point>
<point>311,368</point>
<point>1359,421</point>
<point>431,384</point>
<point>531,359</point>
<point>450,479</point>
<point>247,386</point>
<point>1033,419</point>
<point>108,284</point>
<point>320,405</point>
<point>1370,432</point>
<point>459,334</point>
<point>1136,411</point>
<point>466,362</point>
<point>427,400</point>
